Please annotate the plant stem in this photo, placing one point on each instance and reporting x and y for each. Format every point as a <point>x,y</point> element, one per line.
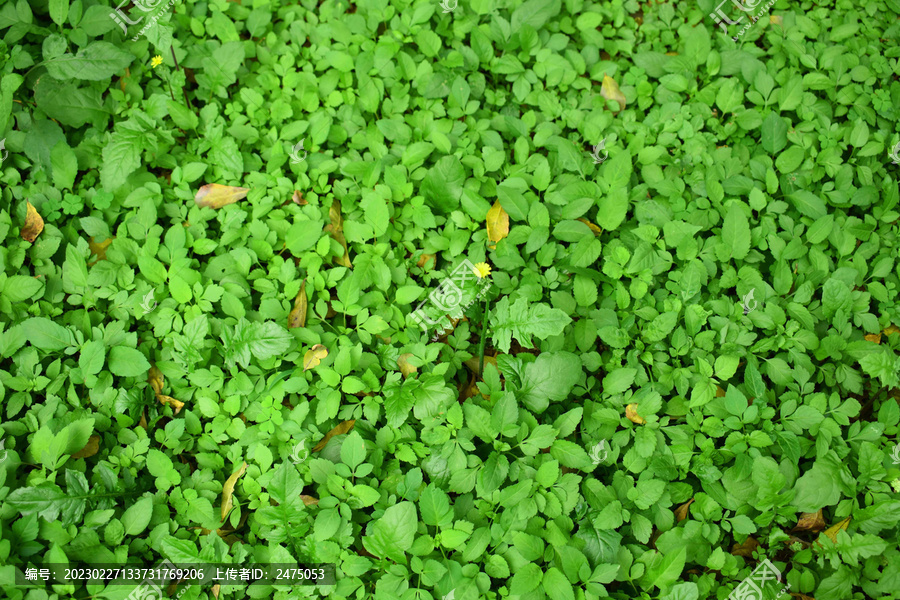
<point>483,339</point>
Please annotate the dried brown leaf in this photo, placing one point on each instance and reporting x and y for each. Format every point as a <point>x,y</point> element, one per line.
<point>90,449</point>
<point>314,356</point>
<point>682,511</point>
<point>298,198</point>
<point>720,393</point>
<point>309,500</point>
<point>340,429</point>
<point>609,89</point>
<point>497,223</point>
<point>406,368</point>
<point>746,549</point>
<point>810,522</point>
<point>215,195</point>
<point>632,415</point>
<point>228,489</point>
<point>34,224</point>
<point>297,318</point>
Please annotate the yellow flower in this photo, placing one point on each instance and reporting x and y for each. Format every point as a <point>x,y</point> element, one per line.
<point>482,270</point>
<point>156,61</point>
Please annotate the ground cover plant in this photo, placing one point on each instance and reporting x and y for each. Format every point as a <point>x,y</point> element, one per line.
<point>483,299</point>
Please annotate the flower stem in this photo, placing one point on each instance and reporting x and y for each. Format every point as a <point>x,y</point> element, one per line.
<point>483,339</point>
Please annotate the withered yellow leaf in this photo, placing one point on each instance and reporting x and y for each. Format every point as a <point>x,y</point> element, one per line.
<point>169,400</point>
<point>472,363</point>
<point>873,337</point>
<point>593,227</point>
<point>425,259</point>
<point>297,317</point>
<point>609,89</point>
<point>832,531</point>
<point>406,368</point>
<point>34,224</point>
<point>342,428</point>
<point>632,415</point>
<point>336,229</point>
<point>891,330</point>
<point>497,223</point>
<point>314,356</point>
<point>775,19</point>
<point>98,249</point>
<point>155,379</point>
<point>309,500</point>
<point>228,489</point>
<point>218,586</point>
<point>215,195</point>
<point>90,449</point>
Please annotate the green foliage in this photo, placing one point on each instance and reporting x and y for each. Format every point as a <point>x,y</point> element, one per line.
<point>245,383</point>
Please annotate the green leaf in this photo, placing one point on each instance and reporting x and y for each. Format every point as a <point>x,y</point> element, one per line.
<point>662,570</point>
<point>550,378</point>
<point>808,204</point>
<point>98,61</point>
<point>353,450</point>
<point>47,335</point>
<point>442,186</point>
<point>523,321</point>
<point>736,232</point>
<point>535,13</point>
<point>59,10</point>
<point>137,517</point>
<point>815,489</point>
<point>21,287</point>
<point>774,133</point>
<point>127,362</point>
<point>392,535</point>
<point>122,155</point>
